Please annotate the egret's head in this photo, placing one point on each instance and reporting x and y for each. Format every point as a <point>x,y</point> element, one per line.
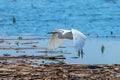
<point>52,32</point>
<point>59,31</point>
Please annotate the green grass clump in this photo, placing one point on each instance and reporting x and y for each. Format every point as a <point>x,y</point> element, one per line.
<point>14,20</point>
<point>102,49</point>
<point>111,33</point>
<point>17,43</point>
<point>20,38</point>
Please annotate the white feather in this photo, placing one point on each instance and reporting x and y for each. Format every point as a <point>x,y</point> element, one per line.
<point>78,39</point>
<point>54,41</point>
<point>60,35</point>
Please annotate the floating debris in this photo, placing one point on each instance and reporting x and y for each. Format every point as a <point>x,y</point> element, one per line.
<point>32,57</point>
<point>1,41</point>
<point>29,42</point>
<point>19,48</point>
<point>6,54</point>
<point>74,57</point>
<point>19,51</point>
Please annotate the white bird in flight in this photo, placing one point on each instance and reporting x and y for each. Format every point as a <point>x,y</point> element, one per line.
<point>59,35</point>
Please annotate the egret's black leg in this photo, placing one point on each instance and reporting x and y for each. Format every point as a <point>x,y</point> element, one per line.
<point>80,53</point>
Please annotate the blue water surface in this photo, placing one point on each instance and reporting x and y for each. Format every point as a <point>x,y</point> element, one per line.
<point>95,17</point>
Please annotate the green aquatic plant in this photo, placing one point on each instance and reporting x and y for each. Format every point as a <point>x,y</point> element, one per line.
<point>17,43</point>
<point>102,49</point>
<point>14,20</point>
<point>111,33</point>
<point>20,38</point>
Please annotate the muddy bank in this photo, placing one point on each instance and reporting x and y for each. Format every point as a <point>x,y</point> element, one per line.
<point>59,71</point>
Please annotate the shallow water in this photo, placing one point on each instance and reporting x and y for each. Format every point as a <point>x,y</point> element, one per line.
<point>37,46</point>
<point>33,19</point>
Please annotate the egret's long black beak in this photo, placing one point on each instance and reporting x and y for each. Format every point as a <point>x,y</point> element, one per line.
<point>51,32</point>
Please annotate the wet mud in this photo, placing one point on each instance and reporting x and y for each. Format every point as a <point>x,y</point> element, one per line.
<point>58,71</point>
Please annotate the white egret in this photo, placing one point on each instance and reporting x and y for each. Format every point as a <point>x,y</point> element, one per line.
<point>58,36</point>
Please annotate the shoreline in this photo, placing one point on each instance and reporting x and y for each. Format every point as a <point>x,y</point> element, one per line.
<point>59,71</point>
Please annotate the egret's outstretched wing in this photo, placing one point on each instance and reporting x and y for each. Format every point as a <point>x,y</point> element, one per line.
<point>78,39</point>
<point>54,41</point>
